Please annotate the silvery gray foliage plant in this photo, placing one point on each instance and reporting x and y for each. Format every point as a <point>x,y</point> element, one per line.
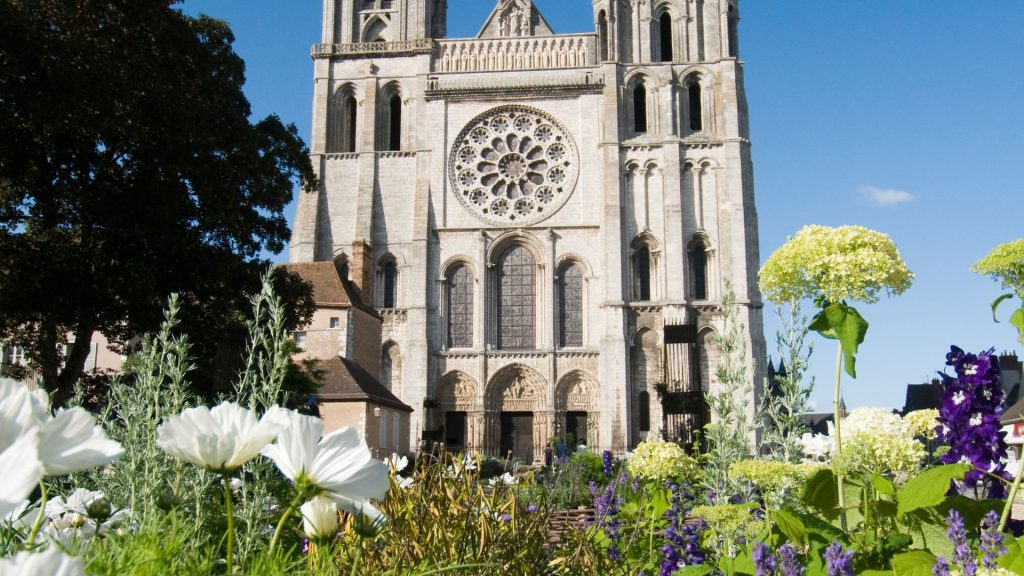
<point>730,434</point>
<point>785,401</point>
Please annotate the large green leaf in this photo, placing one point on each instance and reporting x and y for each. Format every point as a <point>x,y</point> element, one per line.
<point>791,527</point>
<point>1017,320</point>
<point>929,488</point>
<point>839,321</point>
<point>998,301</point>
<point>883,485</point>
<point>971,510</point>
<point>914,563</point>
<point>820,531</point>
<point>1013,560</point>
<point>820,493</point>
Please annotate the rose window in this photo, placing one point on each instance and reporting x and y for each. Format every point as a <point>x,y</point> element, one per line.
<point>514,164</point>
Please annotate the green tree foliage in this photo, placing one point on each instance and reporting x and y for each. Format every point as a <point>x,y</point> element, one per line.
<point>130,169</point>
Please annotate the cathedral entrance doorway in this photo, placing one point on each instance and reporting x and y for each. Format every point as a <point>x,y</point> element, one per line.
<point>517,435</point>
<point>576,426</point>
<point>455,431</point>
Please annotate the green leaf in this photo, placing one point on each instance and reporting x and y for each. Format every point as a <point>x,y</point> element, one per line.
<point>820,493</point>
<point>821,325</point>
<point>821,531</point>
<point>695,570</point>
<point>851,328</point>
<point>883,485</point>
<point>995,305</point>
<point>1017,320</point>
<point>929,487</point>
<point>971,510</point>
<point>914,563</point>
<point>1013,560</point>
<point>790,526</point>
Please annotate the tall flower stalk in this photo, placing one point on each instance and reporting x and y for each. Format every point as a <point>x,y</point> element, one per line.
<point>833,267</point>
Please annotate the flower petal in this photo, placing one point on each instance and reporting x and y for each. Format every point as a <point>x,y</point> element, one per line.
<point>72,441</point>
<point>21,472</point>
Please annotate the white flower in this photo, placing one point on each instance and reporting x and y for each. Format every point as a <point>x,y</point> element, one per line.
<point>975,419</point>
<point>506,479</point>
<point>958,397</point>
<point>338,464</point>
<point>816,446</point>
<point>21,472</point>
<point>397,463</point>
<point>970,369</point>
<point>222,439</point>
<point>20,411</point>
<point>72,442</point>
<point>50,562</point>
<point>320,518</point>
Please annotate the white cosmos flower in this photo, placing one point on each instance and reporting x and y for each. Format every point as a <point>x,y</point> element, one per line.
<point>20,410</point>
<point>72,442</point>
<point>50,562</point>
<point>506,479</point>
<point>320,517</point>
<point>339,464</point>
<point>222,439</point>
<point>396,463</point>
<point>21,471</point>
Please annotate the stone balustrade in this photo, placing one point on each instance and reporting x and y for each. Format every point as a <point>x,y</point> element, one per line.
<point>361,49</point>
<point>529,53</point>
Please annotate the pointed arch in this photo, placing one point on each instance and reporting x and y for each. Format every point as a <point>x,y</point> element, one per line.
<point>516,388</point>
<point>376,29</point>
<point>644,250</point>
<point>699,263</point>
<point>387,284</point>
<point>571,285</point>
<point>602,36</point>
<point>391,366</point>
<point>343,119</point>
<point>733,17</point>
<point>517,298</point>
<point>460,286</point>
<point>391,121</point>
<point>665,34</point>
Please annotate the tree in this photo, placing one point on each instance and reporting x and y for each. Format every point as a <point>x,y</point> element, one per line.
<point>130,169</point>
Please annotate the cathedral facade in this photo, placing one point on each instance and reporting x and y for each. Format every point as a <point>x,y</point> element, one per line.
<point>546,222</point>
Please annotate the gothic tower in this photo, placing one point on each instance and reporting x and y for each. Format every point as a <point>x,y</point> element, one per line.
<point>545,222</point>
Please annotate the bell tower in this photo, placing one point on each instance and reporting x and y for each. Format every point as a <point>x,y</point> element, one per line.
<point>357,21</point>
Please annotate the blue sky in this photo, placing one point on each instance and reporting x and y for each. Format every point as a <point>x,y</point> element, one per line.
<point>905,117</point>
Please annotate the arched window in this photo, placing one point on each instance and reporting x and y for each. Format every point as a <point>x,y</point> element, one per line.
<point>570,307</point>
<point>665,32</point>
<point>349,109</point>
<point>640,109</point>
<point>391,366</point>
<point>516,299</point>
<point>459,284</point>
<point>389,292</point>
<point>602,35</point>
<point>395,123</point>
<point>695,110</point>
<point>642,274</point>
<point>644,411</point>
<point>699,271</point>
<point>734,46</point>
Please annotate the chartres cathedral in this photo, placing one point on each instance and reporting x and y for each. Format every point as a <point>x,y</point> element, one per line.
<point>545,222</point>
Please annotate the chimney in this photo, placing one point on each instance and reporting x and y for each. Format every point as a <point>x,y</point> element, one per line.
<point>361,270</point>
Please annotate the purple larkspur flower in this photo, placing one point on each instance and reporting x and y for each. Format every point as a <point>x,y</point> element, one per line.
<point>765,562</point>
<point>957,534</point>
<point>682,541</point>
<point>789,561</point>
<point>607,456</point>
<point>531,508</point>
<point>606,509</point>
<point>838,560</point>
<point>941,567</point>
<point>969,417</point>
<point>991,540</point>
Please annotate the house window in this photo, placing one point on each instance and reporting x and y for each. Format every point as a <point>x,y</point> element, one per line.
<point>570,307</point>
<point>335,323</point>
<point>460,308</point>
<point>300,340</point>
<point>516,299</point>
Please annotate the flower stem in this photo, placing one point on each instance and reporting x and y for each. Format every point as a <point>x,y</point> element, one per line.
<point>39,517</point>
<point>1010,498</point>
<point>358,559</point>
<point>839,436</point>
<point>284,518</point>
<point>228,505</point>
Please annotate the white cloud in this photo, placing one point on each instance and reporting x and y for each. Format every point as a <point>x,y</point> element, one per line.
<point>885,196</point>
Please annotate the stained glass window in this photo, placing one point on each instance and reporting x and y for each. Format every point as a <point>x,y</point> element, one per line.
<point>460,308</point>
<point>570,298</point>
<point>517,299</point>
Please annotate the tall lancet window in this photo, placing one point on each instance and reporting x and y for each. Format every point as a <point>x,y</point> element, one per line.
<point>516,299</point>
<point>696,106</point>
<point>389,275</point>
<point>460,307</point>
<point>665,35</point>
<point>642,273</point>
<point>570,307</point>
<point>602,35</point>
<point>640,109</point>
<point>395,123</point>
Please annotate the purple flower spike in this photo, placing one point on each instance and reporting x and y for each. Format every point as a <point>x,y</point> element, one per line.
<point>607,463</point>
<point>991,540</point>
<point>941,567</point>
<point>839,561</point>
<point>789,562</point>
<point>957,534</point>
<point>765,563</point>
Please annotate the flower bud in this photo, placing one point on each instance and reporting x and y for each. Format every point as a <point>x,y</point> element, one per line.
<point>168,501</point>
<point>99,510</point>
